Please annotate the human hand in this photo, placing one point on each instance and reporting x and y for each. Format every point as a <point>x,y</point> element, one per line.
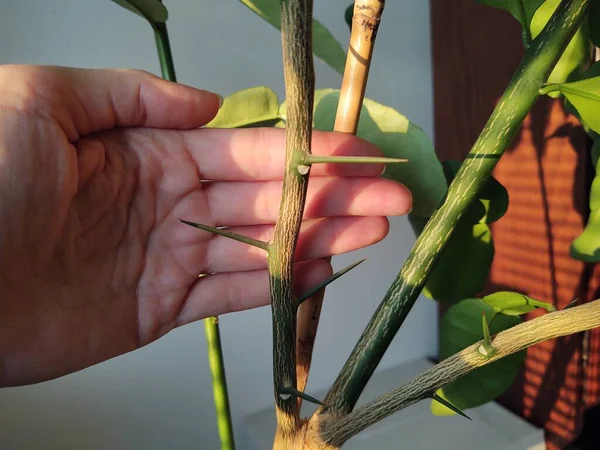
<point>96,169</point>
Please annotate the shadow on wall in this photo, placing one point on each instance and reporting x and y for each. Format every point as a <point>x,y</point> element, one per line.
<point>546,171</point>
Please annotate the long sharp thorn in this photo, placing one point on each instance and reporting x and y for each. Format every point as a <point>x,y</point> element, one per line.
<point>449,405</point>
<point>312,291</point>
<point>573,303</point>
<point>315,159</point>
<point>228,234</point>
<point>286,391</point>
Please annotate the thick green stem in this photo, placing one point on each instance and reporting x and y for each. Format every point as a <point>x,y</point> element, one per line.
<point>211,324</point>
<point>513,107</point>
<point>296,31</point>
<point>219,382</point>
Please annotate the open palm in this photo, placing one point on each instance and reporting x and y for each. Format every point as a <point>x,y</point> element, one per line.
<point>96,169</point>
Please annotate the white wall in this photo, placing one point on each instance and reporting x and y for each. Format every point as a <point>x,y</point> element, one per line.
<point>160,397</point>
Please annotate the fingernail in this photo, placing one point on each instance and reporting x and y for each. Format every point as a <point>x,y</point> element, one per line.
<point>383,170</point>
<point>220,100</point>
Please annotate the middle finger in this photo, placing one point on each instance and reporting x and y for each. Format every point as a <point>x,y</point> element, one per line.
<point>257,203</point>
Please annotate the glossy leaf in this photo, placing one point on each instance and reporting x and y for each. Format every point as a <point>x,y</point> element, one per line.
<point>576,55</point>
<point>522,10</point>
<point>151,10</point>
<point>397,137</point>
<point>590,72</point>
<point>257,106</point>
<point>584,95</point>
<point>463,267</point>
<point>325,47</point>
<point>514,304</point>
<point>461,327</point>
<point>586,247</point>
<point>348,14</point>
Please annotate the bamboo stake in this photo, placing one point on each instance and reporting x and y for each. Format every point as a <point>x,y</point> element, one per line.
<point>365,21</point>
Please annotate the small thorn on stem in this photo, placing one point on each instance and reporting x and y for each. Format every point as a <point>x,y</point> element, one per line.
<point>312,291</point>
<point>448,405</point>
<point>303,169</point>
<point>228,234</point>
<point>288,391</point>
<point>573,303</point>
<point>486,348</point>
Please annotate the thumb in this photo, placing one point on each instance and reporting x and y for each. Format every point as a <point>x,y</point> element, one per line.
<point>84,101</point>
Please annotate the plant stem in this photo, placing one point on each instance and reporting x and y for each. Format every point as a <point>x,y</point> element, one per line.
<point>296,32</point>
<point>211,324</point>
<point>337,430</point>
<point>513,107</point>
<point>219,383</point>
<point>165,56</point>
<point>365,22</point>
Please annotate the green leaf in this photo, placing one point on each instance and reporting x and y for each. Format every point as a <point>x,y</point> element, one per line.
<point>590,72</point>
<point>576,55</point>
<point>514,304</point>
<point>494,197</point>
<point>397,137</point>
<point>151,10</point>
<point>461,327</point>
<point>586,247</point>
<point>464,265</point>
<point>256,106</point>
<point>584,95</point>
<point>325,47</point>
<point>522,10</point>
<point>348,14</point>
<point>594,23</point>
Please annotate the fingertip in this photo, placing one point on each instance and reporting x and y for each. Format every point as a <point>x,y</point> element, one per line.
<point>400,199</point>
<point>183,106</point>
<point>380,229</point>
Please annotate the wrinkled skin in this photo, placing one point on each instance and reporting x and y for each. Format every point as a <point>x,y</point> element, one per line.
<point>96,168</point>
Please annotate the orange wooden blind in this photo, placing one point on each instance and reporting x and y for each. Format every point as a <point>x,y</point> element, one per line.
<point>476,49</point>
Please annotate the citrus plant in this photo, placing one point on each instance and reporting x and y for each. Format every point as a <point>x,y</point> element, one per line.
<point>482,338</point>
